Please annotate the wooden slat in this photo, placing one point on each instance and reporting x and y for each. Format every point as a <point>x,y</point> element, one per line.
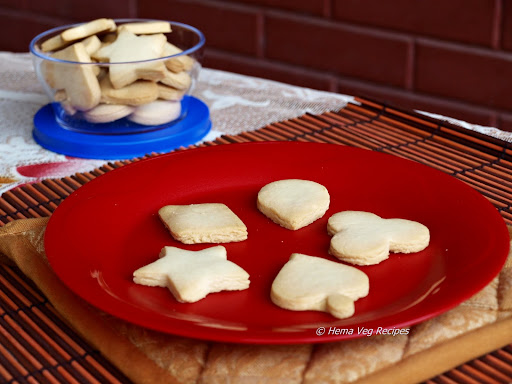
<point>36,345</point>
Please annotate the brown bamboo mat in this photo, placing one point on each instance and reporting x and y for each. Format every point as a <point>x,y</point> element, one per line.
<point>36,345</point>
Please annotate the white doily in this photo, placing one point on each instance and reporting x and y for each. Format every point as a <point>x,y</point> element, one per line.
<point>237,103</point>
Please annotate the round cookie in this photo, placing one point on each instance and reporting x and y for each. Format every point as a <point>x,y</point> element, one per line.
<point>105,113</point>
<point>156,113</point>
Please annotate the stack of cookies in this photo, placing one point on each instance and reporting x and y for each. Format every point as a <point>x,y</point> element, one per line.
<point>128,71</point>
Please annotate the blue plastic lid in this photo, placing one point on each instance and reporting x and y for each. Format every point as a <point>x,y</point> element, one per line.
<point>191,129</point>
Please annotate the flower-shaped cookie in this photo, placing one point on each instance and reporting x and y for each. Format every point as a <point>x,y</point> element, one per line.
<point>192,275</point>
<point>364,238</point>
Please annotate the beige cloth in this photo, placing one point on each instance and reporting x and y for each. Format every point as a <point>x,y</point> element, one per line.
<point>236,104</point>
<point>477,326</point>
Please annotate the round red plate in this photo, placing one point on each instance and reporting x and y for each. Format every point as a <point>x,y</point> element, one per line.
<point>108,228</point>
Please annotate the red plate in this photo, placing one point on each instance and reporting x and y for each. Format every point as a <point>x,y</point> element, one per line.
<point>108,228</point>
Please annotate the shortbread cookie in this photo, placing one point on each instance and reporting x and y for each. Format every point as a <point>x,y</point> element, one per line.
<point>129,47</point>
<point>73,34</point>
<point>179,63</point>
<point>364,238</point>
<point>88,29</point>
<point>169,93</point>
<point>203,223</point>
<point>313,283</point>
<point>180,80</point>
<point>146,27</point>
<point>106,113</point>
<point>137,93</point>
<point>156,113</point>
<point>293,203</point>
<point>78,81</point>
<point>192,275</point>
<point>54,43</point>
<point>61,97</point>
<point>108,38</point>
<point>92,44</point>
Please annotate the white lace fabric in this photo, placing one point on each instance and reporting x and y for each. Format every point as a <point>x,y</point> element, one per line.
<point>237,104</point>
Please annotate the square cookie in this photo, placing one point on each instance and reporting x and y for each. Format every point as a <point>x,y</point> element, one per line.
<point>203,223</point>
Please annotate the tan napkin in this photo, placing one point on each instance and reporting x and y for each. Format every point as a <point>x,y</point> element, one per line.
<point>476,327</point>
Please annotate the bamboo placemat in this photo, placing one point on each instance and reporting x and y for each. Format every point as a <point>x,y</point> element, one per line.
<point>36,345</point>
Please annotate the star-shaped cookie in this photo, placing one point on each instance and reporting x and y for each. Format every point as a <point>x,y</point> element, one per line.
<point>192,275</point>
<point>130,47</point>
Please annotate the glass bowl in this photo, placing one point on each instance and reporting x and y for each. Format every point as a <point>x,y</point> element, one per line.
<point>107,85</point>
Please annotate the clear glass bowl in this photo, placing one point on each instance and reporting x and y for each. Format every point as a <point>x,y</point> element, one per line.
<point>85,99</point>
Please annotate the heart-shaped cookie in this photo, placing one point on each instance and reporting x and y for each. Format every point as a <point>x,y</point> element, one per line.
<point>313,283</point>
<point>364,238</point>
<point>293,203</point>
